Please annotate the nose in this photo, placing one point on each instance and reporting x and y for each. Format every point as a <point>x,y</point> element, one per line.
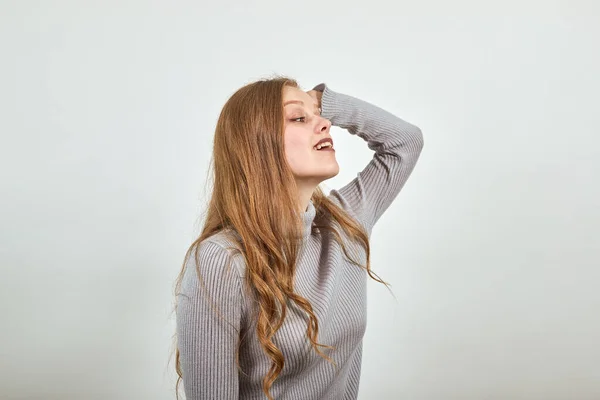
<point>324,125</point>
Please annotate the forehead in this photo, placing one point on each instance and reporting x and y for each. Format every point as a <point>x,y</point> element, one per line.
<point>295,94</point>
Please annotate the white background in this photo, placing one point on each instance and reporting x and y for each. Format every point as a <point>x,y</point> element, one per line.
<point>107,111</point>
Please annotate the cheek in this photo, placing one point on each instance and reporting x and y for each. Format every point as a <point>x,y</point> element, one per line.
<point>297,144</point>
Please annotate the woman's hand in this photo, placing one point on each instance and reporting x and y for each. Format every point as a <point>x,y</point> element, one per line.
<point>316,95</point>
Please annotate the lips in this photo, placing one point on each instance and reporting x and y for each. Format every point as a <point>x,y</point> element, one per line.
<point>330,140</point>
<point>325,148</point>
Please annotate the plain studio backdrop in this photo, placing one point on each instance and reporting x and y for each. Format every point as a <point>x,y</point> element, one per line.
<point>107,115</point>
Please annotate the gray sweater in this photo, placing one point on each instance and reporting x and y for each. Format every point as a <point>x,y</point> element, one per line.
<point>336,288</point>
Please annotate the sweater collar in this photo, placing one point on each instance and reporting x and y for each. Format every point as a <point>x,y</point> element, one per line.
<point>307,218</point>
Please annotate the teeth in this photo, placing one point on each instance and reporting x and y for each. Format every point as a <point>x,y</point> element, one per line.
<point>326,144</point>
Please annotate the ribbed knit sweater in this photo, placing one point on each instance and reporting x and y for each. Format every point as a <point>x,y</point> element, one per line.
<point>336,288</point>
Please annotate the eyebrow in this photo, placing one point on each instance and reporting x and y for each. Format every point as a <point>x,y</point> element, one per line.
<point>298,102</point>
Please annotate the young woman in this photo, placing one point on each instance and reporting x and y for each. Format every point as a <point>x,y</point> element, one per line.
<point>271,299</point>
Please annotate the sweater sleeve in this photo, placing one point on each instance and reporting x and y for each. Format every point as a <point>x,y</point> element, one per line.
<point>397,145</point>
<point>207,343</point>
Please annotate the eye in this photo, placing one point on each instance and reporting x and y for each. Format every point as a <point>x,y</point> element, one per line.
<point>301,118</point>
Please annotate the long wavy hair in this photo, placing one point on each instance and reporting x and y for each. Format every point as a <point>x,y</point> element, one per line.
<point>248,161</point>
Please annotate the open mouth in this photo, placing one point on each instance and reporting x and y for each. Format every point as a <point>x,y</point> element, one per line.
<point>324,147</point>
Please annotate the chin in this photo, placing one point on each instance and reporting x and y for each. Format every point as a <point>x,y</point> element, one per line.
<point>322,175</point>
<point>332,174</point>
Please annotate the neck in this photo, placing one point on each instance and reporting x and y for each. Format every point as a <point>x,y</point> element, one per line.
<point>305,193</point>
<point>308,215</point>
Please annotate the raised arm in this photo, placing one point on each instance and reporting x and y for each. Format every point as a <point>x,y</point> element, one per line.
<point>397,145</point>
<point>206,342</point>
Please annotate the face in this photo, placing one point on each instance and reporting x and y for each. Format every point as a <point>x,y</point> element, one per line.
<point>304,127</point>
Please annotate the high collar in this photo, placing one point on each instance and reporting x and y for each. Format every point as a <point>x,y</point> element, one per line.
<point>307,219</point>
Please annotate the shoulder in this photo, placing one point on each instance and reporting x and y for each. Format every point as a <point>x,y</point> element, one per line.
<point>217,261</point>
<point>338,199</point>
<point>228,243</point>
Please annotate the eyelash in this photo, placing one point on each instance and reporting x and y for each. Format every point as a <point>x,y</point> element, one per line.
<point>304,118</point>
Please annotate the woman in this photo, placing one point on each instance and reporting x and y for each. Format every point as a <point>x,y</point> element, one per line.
<point>271,299</point>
